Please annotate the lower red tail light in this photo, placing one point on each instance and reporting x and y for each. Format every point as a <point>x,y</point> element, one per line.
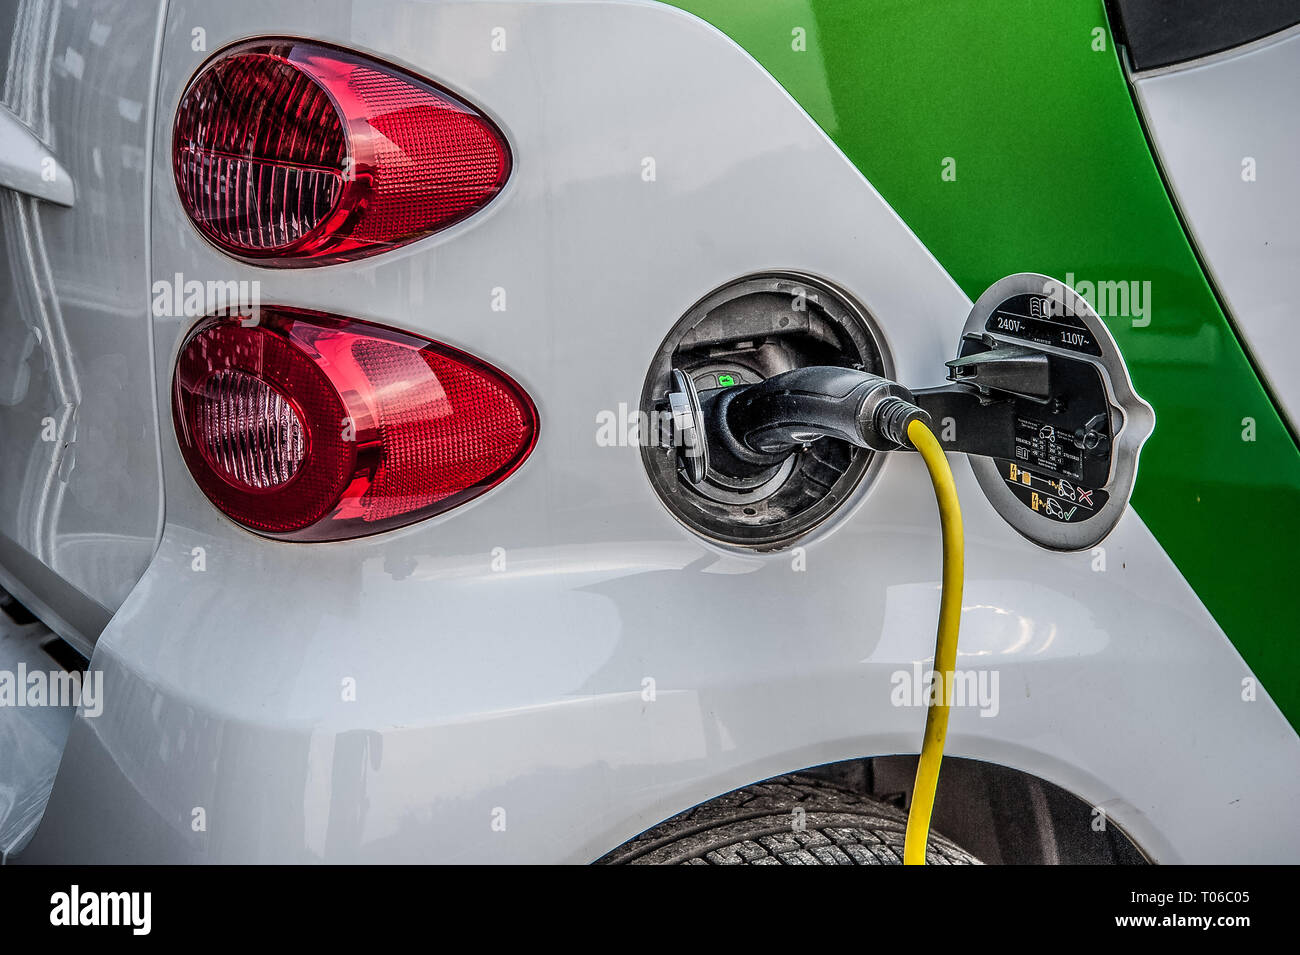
<point>314,427</point>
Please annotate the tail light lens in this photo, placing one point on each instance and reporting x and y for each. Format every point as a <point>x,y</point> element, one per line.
<point>300,154</point>
<point>315,427</point>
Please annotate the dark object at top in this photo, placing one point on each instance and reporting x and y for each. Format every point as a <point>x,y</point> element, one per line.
<point>1163,32</point>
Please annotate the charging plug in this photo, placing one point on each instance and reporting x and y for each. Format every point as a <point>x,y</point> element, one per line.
<point>744,431</point>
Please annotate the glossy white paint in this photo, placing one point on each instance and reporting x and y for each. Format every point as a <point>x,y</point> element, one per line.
<point>81,511</point>
<point>522,689</point>
<point>1227,131</point>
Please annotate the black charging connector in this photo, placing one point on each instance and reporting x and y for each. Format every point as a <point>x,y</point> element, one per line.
<point>748,431</point>
<point>1003,401</point>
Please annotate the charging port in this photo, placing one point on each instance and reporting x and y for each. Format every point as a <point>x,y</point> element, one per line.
<point>745,333</point>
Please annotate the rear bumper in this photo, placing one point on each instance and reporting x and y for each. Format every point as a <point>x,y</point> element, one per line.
<point>423,709</point>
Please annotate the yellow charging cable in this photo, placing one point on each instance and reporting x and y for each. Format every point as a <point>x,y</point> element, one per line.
<point>945,648</point>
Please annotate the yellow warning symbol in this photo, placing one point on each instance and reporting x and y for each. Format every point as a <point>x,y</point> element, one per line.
<point>1033,500</point>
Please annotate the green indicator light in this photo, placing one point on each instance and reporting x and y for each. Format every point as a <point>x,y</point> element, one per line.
<point>725,381</point>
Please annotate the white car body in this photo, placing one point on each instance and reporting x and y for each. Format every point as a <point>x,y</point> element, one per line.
<point>543,673</point>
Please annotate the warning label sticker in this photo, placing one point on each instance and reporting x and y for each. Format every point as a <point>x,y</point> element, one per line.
<point>1041,446</point>
<point>1055,498</point>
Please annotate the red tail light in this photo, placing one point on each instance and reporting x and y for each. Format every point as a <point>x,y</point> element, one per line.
<point>315,427</point>
<point>300,154</point>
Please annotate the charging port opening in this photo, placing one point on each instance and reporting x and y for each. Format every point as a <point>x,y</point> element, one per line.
<point>741,334</point>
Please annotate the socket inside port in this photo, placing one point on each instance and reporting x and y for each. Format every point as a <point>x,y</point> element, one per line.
<point>745,332</point>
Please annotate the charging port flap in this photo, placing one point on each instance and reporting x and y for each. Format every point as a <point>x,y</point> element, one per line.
<point>1042,402</point>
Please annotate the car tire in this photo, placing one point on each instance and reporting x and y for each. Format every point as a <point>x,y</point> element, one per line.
<point>762,825</point>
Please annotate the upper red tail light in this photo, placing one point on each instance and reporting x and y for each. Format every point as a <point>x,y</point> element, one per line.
<point>314,427</point>
<point>294,154</point>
